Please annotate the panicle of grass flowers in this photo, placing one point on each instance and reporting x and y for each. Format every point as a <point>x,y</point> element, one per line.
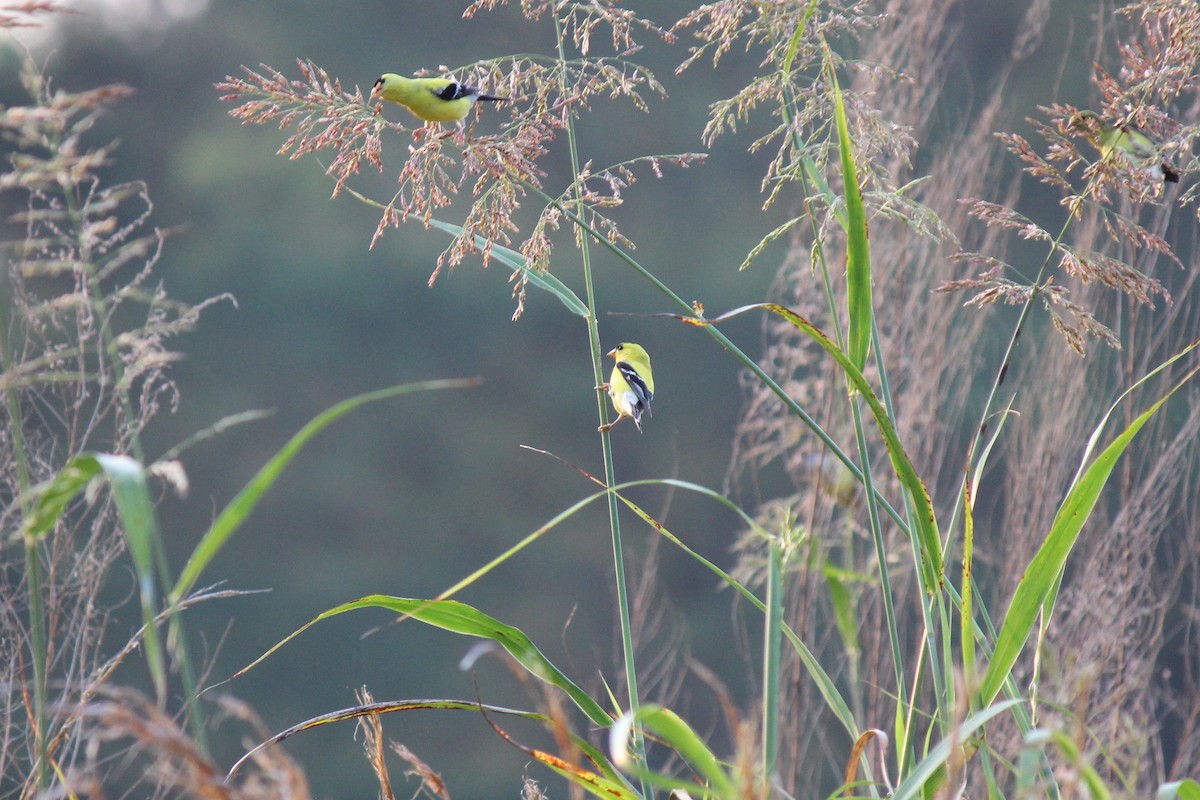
<point>580,20</point>
<point>495,171</point>
<point>773,25</point>
<point>1159,69</point>
<point>1078,324</point>
<point>1110,190</point>
<point>84,346</point>
<point>325,117</point>
<point>88,253</point>
<point>154,754</point>
<point>796,67</point>
<point>1165,61</point>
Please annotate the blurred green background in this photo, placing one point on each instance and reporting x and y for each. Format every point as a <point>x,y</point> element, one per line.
<point>409,495</point>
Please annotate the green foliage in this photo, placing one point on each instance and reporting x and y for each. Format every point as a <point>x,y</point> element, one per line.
<point>850,572</point>
<point>135,507</point>
<point>1033,596</point>
<point>936,736</point>
<point>462,619</point>
<point>861,314</point>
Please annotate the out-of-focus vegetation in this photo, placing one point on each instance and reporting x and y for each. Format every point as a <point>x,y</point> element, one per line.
<point>405,497</point>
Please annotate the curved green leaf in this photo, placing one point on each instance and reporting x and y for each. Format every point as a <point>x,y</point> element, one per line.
<point>542,280</point>
<point>127,478</point>
<point>234,514</point>
<point>131,495</point>
<point>925,520</point>
<point>669,728</point>
<point>463,619</point>
<point>858,251</point>
<point>1042,574</point>
<point>1186,789</point>
<point>54,496</point>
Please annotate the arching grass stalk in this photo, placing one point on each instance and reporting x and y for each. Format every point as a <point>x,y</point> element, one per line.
<point>610,475</point>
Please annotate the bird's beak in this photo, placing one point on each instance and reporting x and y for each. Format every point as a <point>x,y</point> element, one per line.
<point>612,353</point>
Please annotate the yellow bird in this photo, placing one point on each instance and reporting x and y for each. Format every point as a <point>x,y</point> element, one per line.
<point>631,385</point>
<point>431,99</point>
<point>1127,142</point>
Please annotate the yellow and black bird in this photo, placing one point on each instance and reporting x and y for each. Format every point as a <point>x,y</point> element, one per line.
<point>1126,142</point>
<point>631,385</point>
<point>431,99</point>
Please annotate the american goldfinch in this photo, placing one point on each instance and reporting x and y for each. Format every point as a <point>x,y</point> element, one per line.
<point>1127,142</point>
<point>431,99</point>
<point>631,385</point>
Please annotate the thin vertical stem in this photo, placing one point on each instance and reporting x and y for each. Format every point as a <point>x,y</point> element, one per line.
<point>772,647</point>
<point>605,437</point>
<point>33,567</point>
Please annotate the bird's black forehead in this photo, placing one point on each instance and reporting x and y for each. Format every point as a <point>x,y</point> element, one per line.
<point>379,80</point>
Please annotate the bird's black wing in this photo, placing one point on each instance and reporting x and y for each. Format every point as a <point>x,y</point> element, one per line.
<point>455,91</point>
<point>640,389</point>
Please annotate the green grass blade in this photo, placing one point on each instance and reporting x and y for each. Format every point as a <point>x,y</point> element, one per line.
<point>461,618</point>
<point>772,646</point>
<point>924,519</point>
<point>234,514</point>
<point>1186,789</point>
<point>967,606</point>
<point>1043,571</point>
<point>858,251</point>
<point>511,258</point>
<point>670,729</point>
<point>127,478</point>
<point>915,782</point>
<point>54,496</point>
<point>127,481</point>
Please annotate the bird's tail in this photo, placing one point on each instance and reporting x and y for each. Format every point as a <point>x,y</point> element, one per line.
<point>492,98</point>
<point>1169,174</point>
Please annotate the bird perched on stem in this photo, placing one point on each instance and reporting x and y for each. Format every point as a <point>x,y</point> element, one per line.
<point>431,99</point>
<point>631,385</point>
<point>1127,142</point>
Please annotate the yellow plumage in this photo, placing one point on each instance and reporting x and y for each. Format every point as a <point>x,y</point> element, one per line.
<point>631,385</point>
<point>1125,142</point>
<point>431,99</point>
